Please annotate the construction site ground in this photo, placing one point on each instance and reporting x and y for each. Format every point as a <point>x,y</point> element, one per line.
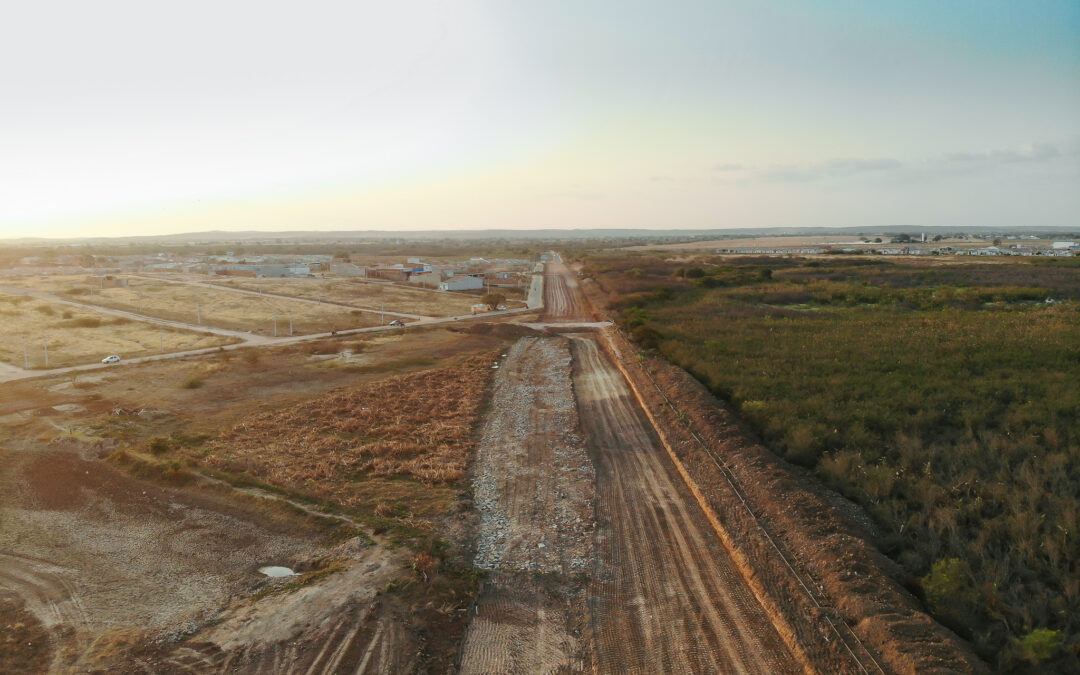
<point>578,540</point>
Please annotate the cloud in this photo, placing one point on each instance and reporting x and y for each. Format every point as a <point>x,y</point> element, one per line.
<point>1038,152</point>
<point>949,163</point>
<point>834,168</point>
<point>728,167</point>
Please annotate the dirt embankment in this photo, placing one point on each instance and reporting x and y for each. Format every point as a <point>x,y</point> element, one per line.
<point>833,589</point>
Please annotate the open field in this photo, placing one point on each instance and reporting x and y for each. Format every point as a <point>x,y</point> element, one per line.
<point>705,247</point>
<point>392,444</point>
<point>75,335</point>
<point>206,306</point>
<point>359,293</point>
<point>942,398</point>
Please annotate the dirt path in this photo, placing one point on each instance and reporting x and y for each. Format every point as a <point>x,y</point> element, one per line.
<point>647,586</point>
<point>665,595</point>
<point>562,297</point>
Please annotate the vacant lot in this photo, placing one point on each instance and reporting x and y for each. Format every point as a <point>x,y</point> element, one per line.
<point>942,398</point>
<point>360,293</point>
<point>388,445</point>
<point>208,306</point>
<point>76,335</point>
<point>131,560</point>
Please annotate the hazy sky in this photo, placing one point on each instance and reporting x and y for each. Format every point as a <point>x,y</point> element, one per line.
<point>144,117</point>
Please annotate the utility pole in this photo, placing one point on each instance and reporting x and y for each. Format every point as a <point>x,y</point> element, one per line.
<point>290,324</point>
<point>198,313</point>
<point>275,325</point>
<point>25,355</point>
<point>382,314</point>
<point>45,343</point>
<point>161,337</point>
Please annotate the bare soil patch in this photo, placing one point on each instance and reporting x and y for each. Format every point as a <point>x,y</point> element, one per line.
<point>25,645</point>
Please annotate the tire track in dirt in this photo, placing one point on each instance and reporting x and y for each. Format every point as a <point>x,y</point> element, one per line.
<point>665,595</point>
<point>562,297</point>
<point>50,597</point>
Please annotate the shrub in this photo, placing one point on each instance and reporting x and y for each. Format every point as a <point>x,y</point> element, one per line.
<point>159,445</point>
<point>193,383</point>
<point>1039,645</point>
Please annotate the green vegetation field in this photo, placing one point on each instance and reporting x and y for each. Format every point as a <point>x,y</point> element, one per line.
<point>942,397</point>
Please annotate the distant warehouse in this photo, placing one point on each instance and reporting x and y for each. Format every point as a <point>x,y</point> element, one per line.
<point>461,284</point>
<point>265,270</point>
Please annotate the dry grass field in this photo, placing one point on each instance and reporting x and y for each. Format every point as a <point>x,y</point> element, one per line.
<point>359,293</point>
<point>383,446</point>
<point>76,336</point>
<point>137,562</point>
<point>213,307</point>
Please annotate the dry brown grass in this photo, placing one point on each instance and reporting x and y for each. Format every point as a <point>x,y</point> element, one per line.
<point>359,293</point>
<point>417,426</point>
<point>209,306</point>
<point>77,335</point>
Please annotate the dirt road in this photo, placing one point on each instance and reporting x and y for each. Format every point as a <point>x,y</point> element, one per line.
<point>562,297</point>
<point>665,595</point>
<point>603,560</point>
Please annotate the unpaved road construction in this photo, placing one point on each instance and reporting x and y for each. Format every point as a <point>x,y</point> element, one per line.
<point>603,560</point>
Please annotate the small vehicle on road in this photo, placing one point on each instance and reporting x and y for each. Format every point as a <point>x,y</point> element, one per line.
<point>501,308</point>
<point>397,322</point>
<point>111,359</point>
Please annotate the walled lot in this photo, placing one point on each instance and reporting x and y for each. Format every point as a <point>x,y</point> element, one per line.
<point>359,293</point>
<point>76,336</point>
<point>220,308</point>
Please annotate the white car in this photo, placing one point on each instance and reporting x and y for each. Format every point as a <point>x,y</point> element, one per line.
<point>111,359</point>
<point>501,308</point>
<point>397,322</point>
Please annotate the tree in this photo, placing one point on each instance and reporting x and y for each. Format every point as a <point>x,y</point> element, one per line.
<point>493,300</point>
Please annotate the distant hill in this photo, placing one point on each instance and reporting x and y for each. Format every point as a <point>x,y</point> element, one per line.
<point>255,236</point>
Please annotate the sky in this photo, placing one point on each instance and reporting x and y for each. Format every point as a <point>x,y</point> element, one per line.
<point>125,117</point>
